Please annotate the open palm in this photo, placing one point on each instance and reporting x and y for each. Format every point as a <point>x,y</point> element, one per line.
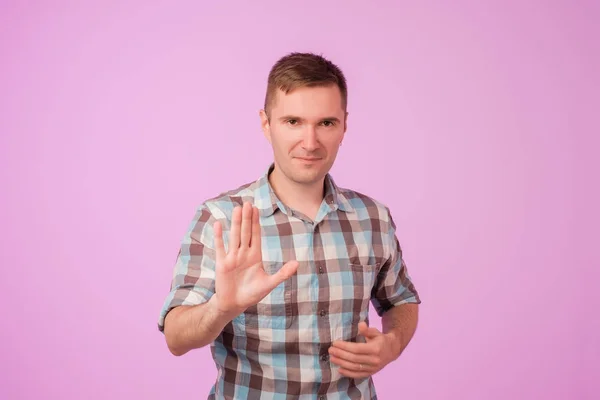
<point>241,280</point>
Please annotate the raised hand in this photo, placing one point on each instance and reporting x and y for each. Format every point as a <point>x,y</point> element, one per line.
<point>241,280</point>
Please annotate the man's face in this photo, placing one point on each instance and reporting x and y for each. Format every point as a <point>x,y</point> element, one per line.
<point>305,130</point>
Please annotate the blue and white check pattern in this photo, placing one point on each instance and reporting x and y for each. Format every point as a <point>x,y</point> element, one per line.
<point>349,257</point>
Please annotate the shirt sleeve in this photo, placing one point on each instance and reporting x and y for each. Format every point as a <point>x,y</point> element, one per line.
<point>193,279</point>
<point>394,286</point>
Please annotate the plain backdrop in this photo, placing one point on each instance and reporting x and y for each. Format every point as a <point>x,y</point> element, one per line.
<point>475,121</point>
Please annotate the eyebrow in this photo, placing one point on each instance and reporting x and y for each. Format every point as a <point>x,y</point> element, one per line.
<point>286,117</point>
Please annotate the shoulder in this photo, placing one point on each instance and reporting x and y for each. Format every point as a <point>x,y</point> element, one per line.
<point>218,208</point>
<point>366,206</point>
<point>221,206</point>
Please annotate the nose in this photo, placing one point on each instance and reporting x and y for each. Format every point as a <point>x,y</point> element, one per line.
<point>310,139</point>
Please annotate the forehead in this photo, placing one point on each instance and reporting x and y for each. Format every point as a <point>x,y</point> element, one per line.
<point>309,102</point>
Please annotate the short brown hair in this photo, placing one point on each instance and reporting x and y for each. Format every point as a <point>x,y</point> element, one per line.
<point>304,70</point>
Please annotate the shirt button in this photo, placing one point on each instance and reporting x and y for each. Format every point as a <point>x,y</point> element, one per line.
<point>321,397</point>
<point>324,357</point>
<point>320,269</point>
<point>323,313</point>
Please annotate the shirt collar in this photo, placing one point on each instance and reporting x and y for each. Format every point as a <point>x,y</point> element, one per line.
<point>267,201</point>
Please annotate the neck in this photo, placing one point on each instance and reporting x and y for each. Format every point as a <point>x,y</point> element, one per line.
<point>306,198</point>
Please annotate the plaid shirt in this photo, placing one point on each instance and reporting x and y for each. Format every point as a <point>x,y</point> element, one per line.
<point>278,349</point>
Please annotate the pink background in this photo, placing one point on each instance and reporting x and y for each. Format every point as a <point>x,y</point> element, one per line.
<point>472,120</point>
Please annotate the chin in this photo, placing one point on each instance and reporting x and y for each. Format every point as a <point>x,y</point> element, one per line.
<point>307,177</point>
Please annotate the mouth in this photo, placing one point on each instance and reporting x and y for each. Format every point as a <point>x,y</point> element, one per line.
<point>308,159</point>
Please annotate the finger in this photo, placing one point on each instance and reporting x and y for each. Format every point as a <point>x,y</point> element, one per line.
<point>246,229</point>
<point>353,374</point>
<point>283,274</point>
<point>256,233</point>
<point>354,348</point>
<point>362,328</point>
<point>351,366</point>
<point>354,358</point>
<point>219,247</point>
<point>368,332</point>
<point>234,231</point>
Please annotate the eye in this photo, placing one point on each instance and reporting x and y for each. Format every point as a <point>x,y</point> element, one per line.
<point>292,122</point>
<point>328,123</point>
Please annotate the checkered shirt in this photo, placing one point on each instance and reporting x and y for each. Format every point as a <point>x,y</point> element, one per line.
<point>349,256</point>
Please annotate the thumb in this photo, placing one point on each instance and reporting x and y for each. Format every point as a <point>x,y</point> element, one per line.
<point>284,273</point>
<point>368,333</point>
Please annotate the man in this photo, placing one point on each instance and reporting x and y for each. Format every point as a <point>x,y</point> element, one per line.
<point>277,275</point>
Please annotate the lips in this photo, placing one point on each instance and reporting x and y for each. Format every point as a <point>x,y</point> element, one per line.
<point>308,158</point>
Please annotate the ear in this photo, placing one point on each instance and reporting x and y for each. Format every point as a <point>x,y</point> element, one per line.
<point>265,125</point>
<point>345,127</point>
<point>345,122</point>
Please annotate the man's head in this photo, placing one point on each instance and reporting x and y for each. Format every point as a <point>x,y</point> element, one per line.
<point>304,116</point>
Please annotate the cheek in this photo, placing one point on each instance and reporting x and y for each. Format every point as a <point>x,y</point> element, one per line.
<point>281,143</point>
<point>288,137</point>
<point>331,142</point>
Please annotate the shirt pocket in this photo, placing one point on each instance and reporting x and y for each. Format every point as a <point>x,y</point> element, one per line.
<point>350,300</point>
<point>363,281</point>
<point>275,311</point>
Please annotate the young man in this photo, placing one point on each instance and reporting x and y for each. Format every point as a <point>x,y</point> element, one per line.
<point>277,275</point>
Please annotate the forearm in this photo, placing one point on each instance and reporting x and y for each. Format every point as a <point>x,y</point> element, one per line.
<point>400,323</point>
<point>192,327</point>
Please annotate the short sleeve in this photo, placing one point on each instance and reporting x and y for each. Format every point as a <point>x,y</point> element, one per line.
<point>193,279</point>
<point>394,286</point>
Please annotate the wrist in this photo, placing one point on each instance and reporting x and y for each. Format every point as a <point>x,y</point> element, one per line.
<point>395,343</point>
<point>219,312</point>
